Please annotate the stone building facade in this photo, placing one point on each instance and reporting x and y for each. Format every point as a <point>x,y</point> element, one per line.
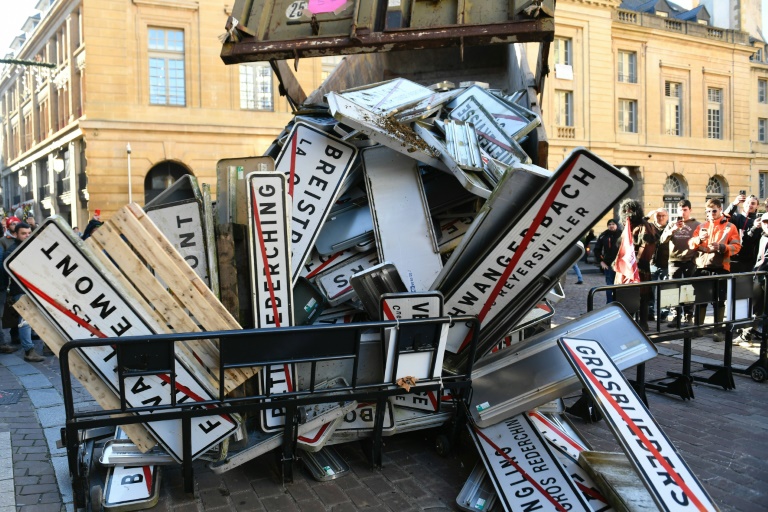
<point>657,90</point>
<point>140,72</point>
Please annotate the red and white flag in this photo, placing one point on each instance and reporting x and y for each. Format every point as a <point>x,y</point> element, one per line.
<point>626,261</point>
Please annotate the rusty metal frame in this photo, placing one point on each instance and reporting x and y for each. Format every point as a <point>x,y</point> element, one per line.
<point>250,49</point>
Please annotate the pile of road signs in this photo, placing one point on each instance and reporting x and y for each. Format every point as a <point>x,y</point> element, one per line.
<point>392,201</point>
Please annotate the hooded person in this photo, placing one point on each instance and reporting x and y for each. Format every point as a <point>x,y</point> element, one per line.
<point>643,237</point>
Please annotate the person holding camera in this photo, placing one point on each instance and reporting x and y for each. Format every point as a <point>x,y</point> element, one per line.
<point>744,222</point>
<point>715,241</point>
<point>680,263</point>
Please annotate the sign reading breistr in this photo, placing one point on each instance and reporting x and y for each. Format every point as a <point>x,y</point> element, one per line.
<point>54,272</point>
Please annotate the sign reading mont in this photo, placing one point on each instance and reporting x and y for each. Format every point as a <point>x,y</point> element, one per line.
<point>58,274</point>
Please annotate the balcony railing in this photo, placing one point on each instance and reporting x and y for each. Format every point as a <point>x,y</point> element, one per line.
<point>690,28</point>
<point>566,132</point>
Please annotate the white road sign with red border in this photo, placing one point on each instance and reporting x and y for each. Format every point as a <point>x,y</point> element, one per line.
<point>668,478</point>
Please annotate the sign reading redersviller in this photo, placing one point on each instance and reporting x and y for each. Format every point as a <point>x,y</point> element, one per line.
<point>580,192</point>
<point>57,273</point>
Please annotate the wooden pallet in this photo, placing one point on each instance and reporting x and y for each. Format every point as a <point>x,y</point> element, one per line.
<point>129,244</point>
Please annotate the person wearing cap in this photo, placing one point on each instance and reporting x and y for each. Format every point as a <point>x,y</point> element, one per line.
<point>681,262</point>
<point>606,249</point>
<point>10,227</point>
<point>744,222</point>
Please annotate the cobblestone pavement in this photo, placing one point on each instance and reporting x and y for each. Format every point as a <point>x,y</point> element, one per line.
<point>719,433</point>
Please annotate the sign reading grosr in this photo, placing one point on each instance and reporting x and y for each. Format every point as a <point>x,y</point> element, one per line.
<point>665,474</point>
<point>66,285</point>
<point>582,190</point>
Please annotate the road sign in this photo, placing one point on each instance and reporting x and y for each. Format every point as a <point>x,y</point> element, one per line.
<point>512,121</point>
<point>388,97</point>
<point>315,165</point>
<point>270,249</point>
<point>510,382</point>
<point>182,225</point>
<point>64,280</point>
<point>582,190</point>
<point>665,474</point>
<point>384,130</point>
<point>523,468</point>
<point>336,283</point>
<point>490,135</point>
<point>400,212</point>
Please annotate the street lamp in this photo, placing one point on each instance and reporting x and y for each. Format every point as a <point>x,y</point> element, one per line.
<point>23,181</point>
<point>130,190</point>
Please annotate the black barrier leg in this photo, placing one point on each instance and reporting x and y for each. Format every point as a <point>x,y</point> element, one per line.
<point>759,369</point>
<point>682,384</point>
<point>639,383</point>
<point>585,409</point>
<point>381,409</point>
<point>723,376</point>
<point>289,438</point>
<point>186,442</point>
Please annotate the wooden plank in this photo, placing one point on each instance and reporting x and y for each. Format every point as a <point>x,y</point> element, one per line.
<point>80,369</point>
<point>617,480</point>
<point>145,288</point>
<point>166,269</point>
<point>227,321</point>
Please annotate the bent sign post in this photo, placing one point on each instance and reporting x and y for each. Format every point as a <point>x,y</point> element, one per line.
<point>668,478</point>
<point>60,277</point>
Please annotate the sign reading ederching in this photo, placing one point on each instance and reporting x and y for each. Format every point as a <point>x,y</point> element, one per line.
<point>82,303</point>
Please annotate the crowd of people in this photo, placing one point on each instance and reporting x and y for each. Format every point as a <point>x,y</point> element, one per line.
<point>730,239</point>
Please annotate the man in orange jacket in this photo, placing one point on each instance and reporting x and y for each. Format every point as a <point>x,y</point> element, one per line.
<point>715,241</point>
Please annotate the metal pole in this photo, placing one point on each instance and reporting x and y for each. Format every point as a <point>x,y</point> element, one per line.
<point>130,188</point>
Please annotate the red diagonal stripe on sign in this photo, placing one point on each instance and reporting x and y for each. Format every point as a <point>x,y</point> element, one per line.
<point>497,142</point>
<point>557,431</point>
<point>636,431</point>
<point>263,250</point>
<point>523,246</point>
<point>320,432</point>
<point>509,116</point>
<point>293,162</point>
<point>520,470</point>
<point>390,93</point>
<point>323,265</point>
<point>53,302</point>
<point>148,479</point>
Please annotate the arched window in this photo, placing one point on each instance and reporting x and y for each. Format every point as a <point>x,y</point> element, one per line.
<point>674,190</point>
<point>716,188</point>
<point>162,176</point>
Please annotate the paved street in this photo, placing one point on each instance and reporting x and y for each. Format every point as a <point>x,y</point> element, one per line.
<point>719,433</point>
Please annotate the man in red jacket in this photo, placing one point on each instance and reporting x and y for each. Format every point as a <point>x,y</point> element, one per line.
<point>715,241</point>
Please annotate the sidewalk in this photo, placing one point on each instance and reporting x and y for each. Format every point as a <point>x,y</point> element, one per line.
<point>719,434</point>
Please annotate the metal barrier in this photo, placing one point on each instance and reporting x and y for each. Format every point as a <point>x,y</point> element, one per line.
<point>740,293</point>
<point>309,346</point>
